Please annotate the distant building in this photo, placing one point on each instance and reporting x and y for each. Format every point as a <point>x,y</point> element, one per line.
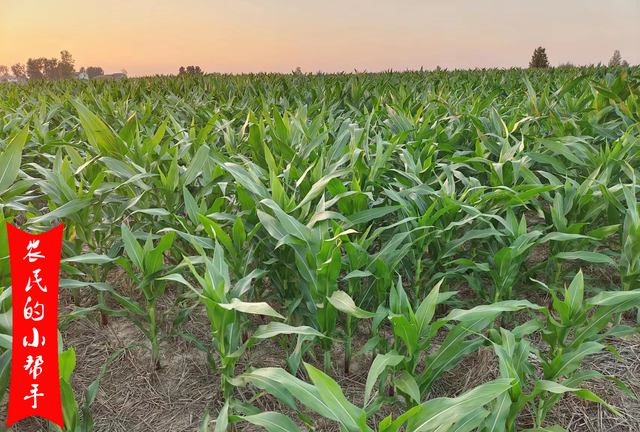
<point>82,75</point>
<point>11,79</point>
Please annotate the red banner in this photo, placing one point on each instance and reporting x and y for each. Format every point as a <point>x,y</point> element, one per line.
<point>35,273</point>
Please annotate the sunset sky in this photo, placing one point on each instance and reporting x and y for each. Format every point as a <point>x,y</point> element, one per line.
<point>146,37</point>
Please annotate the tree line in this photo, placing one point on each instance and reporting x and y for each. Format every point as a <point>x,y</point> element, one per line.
<point>64,68</point>
<point>50,68</point>
<point>541,60</point>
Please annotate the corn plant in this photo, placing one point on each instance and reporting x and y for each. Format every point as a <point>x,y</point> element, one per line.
<point>560,365</point>
<point>10,162</point>
<point>148,266</point>
<point>226,312</point>
<point>326,398</point>
<point>629,265</point>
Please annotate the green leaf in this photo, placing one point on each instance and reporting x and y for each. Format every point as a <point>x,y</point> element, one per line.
<point>490,311</point>
<point>575,292</point>
<point>100,136</point>
<point>66,210</point>
<point>90,258</point>
<point>341,301</point>
<point>371,214</point>
<point>427,308</point>
<point>406,331</point>
<point>614,298</point>
<point>67,363</point>
<point>274,329</point>
<point>195,167</point>
<point>471,421</point>
<point>204,425</point>
<point>349,415</point>
<point>320,185</point>
<point>592,257</point>
<point>285,384</point>
<point>408,385</point>
<point>380,363</point>
<point>132,247</point>
<point>554,387</point>
<point>222,422</point>
<point>11,158</point>
<point>260,308</point>
<point>273,422</point>
<point>5,371</point>
<point>443,411</point>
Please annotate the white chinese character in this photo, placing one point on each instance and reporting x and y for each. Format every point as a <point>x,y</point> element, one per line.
<point>34,366</point>
<point>31,254</point>
<point>36,340</point>
<point>37,280</point>
<point>28,311</point>
<point>34,394</point>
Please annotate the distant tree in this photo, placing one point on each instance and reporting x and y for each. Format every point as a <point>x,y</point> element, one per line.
<point>298,71</point>
<point>35,68</point>
<point>4,70</point>
<point>19,70</point>
<point>50,69</point>
<point>616,60</point>
<point>94,71</point>
<point>124,71</point>
<point>566,65</point>
<point>438,68</point>
<point>190,70</point>
<point>539,59</point>
<point>82,70</point>
<point>66,66</point>
<point>625,63</point>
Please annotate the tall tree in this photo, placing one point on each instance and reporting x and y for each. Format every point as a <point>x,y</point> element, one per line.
<point>616,60</point>
<point>94,71</point>
<point>4,70</point>
<point>66,66</point>
<point>19,70</point>
<point>35,68</point>
<point>539,59</point>
<point>50,69</point>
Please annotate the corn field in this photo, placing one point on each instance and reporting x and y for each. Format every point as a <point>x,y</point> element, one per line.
<point>410,221</point>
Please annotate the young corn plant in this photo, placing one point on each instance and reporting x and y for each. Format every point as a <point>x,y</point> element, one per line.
<point>227,314</point>
<point>503,260</point>
<point>82,205</point>
<point>72,421</point>
<point>367,275</point>
<point>146,271</point>
<point>629,265</point>
<point>412,373</point>
<point>572,215</point>
<point>318,260</point>
<point>575,337</point>
<point>326,398</point>
<point>514,353</point>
